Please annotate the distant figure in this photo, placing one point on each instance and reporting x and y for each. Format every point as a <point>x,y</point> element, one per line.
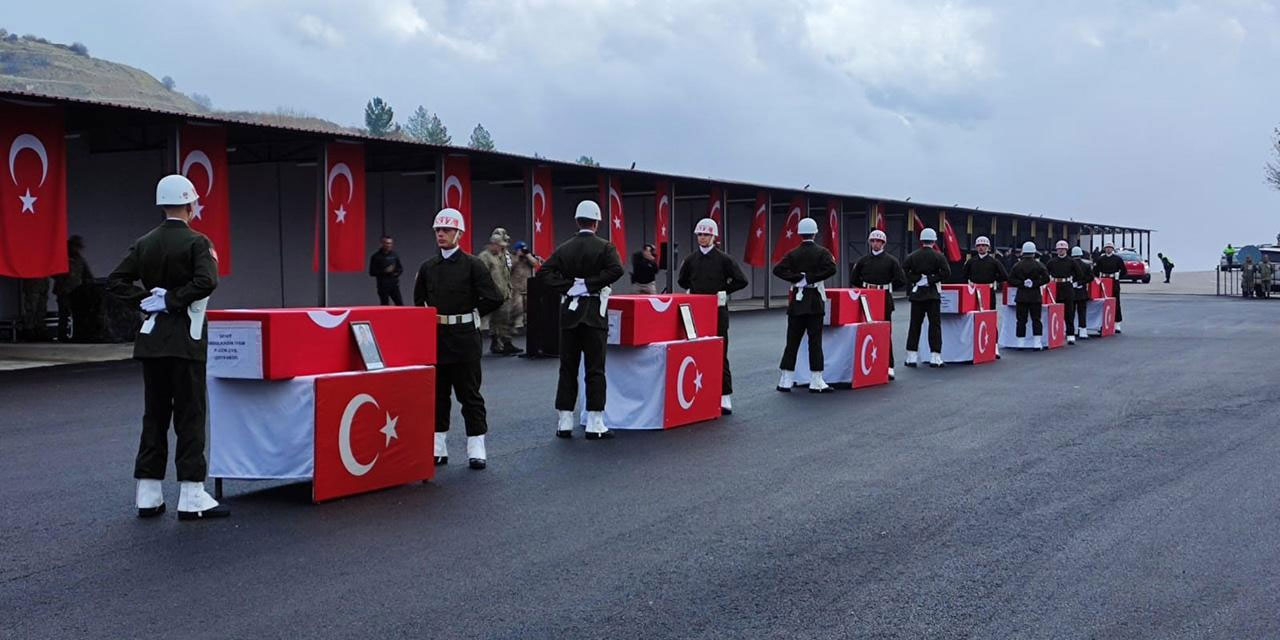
<point>35,304</point>
<point>1247,277</point>
<point>384,266</point>
<point>75,293</point>
<point>1230,254</point>
<point>522,268</point>
<point>1168,266</point>
<point>498,261</point>
<point>1266,273</point>
<point>644,270</point>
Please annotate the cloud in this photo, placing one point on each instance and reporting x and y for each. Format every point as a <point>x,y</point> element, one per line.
<point>316,32</point>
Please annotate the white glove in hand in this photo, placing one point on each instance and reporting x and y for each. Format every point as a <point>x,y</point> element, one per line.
<point>923,282</point>
<point>1028,283</point>
<point>804,282</point>
<point>579,288</point>
<point>153,304</point>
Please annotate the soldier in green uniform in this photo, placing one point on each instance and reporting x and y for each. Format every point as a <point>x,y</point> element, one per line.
<point>1248,273</point>
<point>35,304</point>
<point>926,269</point>
<point>498,261</point>
<point>178,268</point>
<point>1266,272</point>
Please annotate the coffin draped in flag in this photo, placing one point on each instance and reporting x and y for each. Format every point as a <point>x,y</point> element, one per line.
<point>344,197</point>
<point>754,254</point>
<point>202,158</point>
<point>611,195</point>
<point>456,193</point>
<point>33,192</point>
<point>833,229</point>
<point>544,237</point>
<point>788,237</point>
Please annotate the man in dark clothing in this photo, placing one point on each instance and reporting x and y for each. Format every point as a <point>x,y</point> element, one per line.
<point>644,270</point>
<point>711,271</point>
<point>1028,275</point>
<point>879,270</point>
<point>1064,273</point>
<point>581,271</point>
<point>74,290</point>
<point>926,270</point>
<point>384,265</point>
<point>178,268</point>
<point>460,289</point>
<point>984,269</point>
<point>1168,266</point>
<point>1110,265</point>
<point>1080,291</point>
<point>805,267</point>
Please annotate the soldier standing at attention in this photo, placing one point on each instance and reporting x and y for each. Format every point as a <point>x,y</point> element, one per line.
<point>1029,275</point>
<point>711,271</point>
<point>581,271</point>
<point>879,270</point>
<point>1064,272</point>
<point>459,287</point>
<point>178,269</point>
<point>1110,265</point>
<point>1080,291</point>
<point>805,267</point>
<point>926,269</point>
<point>986,271</point>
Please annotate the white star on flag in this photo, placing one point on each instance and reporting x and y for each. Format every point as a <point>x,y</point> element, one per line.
<point>537,226</point>
<point>874,351</point>
<point>759,232</point>
<point>389,429</point>
<point>663,230</point>
<point>788,233</point>
<point>697,381</point>
<point>617,223</point>
<point>198,208</point>
<point>28,202</point>
<point>341,213</point>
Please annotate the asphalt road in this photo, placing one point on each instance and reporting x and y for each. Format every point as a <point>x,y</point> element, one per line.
<point>1120,488</point>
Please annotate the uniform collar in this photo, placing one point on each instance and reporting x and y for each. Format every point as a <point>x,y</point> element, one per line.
<point>448,253</point>
<point>586,232</point>
<point>706,250</point>
<point>876,253</point>
<point>177,220</point>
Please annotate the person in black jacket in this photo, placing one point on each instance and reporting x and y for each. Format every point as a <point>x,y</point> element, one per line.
<point>879,270</point>
<point>1080,291</point>
<point>1029,275</point>
<point>459,287</point>
<point>926,270</point>
<point>644,270</point>
<point>711,271</point>
<point>1110,265</point>
<point>1064,273</point>
<point>385,268</point>
<point>982,268</point>
<point>581,271</point>
<point>178,268</point>
<point>805,267</point>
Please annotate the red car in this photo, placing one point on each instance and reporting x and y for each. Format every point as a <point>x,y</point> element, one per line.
<point>1135,267</point>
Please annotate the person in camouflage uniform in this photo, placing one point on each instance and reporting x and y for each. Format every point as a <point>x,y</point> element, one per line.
<point>523,266</point>
<point>497,260</point>
<point>1266,272</point>
<point>1247,274</point>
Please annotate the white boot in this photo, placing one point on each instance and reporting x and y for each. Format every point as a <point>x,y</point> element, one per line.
<point>913,358</point>
<point>475,452</point>
<point>786,381</point>
<point>891,376</point>
<point>1117,327</point>
<point>935,361</point>
<point>565,427</point>
<point>1083,333</point>
<point>816,383</point>
<point>726,405</point>
<point>442,448</point>
<point>595,426</point>
<point>149,497</point>
<point>194,503</point>
<point>997,350</point>
<point>1071,339</point>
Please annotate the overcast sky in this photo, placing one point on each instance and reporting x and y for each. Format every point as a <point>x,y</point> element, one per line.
<point>1155,114</point>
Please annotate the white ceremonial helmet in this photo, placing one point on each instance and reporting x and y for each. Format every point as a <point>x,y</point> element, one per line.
<point>1076,252</point>
<point>587,210</point>
<point>1028,247</point>
<point>807,227</point>
<point>450,219</point>
<point>1062,244</point>
<point>981,241</point>
<point>1108,244</point>
<point>175,190</point>
<point>928,235</point>
<point>878,235</point>
<point>707,226</point>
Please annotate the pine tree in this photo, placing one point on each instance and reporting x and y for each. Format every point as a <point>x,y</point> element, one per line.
<point>379,117</point>
<point>587,160</point>
<point>437,133</point>
<point>480,139</point>
<point>418,125</point>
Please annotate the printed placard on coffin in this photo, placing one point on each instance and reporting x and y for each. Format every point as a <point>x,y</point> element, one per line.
<point>985,335</point>
<point>959,298</point>
<point>693,382</point>
<point>871,354</point>
<point>373,429</point>
<point>844,306</point>
<point>1011,293</point>
<point>646,319</point>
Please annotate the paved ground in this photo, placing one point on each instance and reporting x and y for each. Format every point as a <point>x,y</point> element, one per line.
<point>1123,488</point>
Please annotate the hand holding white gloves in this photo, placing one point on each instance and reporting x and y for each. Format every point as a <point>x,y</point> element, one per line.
<point>579,288</point>
<point>923,282</point>
<point>155,302</point>
<point>1028,283</point>
<point>804,282</point>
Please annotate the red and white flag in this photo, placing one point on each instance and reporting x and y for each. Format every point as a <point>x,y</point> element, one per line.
<point>877,217</point>
<point>202,158</point>
<point>756,240</point>
<point>663,223</point>
<point>952,247</point>
<point>344,206</point>
<point>788,236</point>
<point>871,354</point>
<point>611,194</point>
<point>715,207</point>
<point>915,223</point>
<point>694,374</point>
<point>33,192</point>
<point>456,193</point>
<point>985,334</point>
<point>544,236</point>
<point>833,228</point>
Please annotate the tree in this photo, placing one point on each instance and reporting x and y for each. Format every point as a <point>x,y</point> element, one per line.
<point>418,124</point>
<point>80,49</point>
<point>1273,168</point>
<point>379,117</point>
<point>202,100</point>
<point>587,160</point>
<point>480,139</point>
<point>437,133</point>
<point>168,83</point>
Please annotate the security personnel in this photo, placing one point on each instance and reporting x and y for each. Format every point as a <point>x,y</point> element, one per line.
<point>1064,273</point>
<point>711,271</point>
<point>1266,274</point>
<point>1029,274</point>
<point>460,289</point>
<point>805,267</point>
<point>879,270</point>
<point>385,268</point>
<point>1110,265</point>
<point>982,268</point>
<point>581,271</point>
<point>178,268</point>
<point>1080,291</point>
<point>497,260</point>
<point>926,270</point>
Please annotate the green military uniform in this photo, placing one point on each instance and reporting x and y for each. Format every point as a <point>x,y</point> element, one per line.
<point>172,344</point>
<point>35,304</point>
<point>1266,271</point>
<point>523,267</point>
<point>499,267</point>
<point>1248,272</point>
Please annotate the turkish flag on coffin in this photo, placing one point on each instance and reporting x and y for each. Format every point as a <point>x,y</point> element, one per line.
<point>985,334</point>
<point>695,371</point>
<point>457,193</point>
<point>202,158</point>
<point>754,255</point>
<point>611,195</point>
<point>871,354</point>
<point>1056,325</point>
<point>788,238</point>
<point>374,429</point>
<point>344,207</point>
<point>544,236</point>
<point>33,192</point>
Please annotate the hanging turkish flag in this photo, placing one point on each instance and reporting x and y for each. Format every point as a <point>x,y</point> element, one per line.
<point>877,210</point>
<point>663,232</point>
<point>693,377</point>
<point>952,243</point>
<point>833,228</point>
<point>917,225</point>
<point>202,158</point>
<point>344,207</point>
<point>544,237</point>
<point>611,193</point>
<point>715,206</point>
<point>457,194</point>
<point>788,237</point>
<point>754,255</point>
<point>33,192</point>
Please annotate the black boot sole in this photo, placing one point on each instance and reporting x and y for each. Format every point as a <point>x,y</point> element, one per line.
<point>476,463</point>
<point>150,512</point>
<point>784,389</point>
<point>599,436</point>
<point>219,511</point>
<point>442,460</point>
<point>567,433</point>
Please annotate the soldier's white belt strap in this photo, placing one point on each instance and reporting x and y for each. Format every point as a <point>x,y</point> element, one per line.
<point>722,298</point>
<point>872,285</point>
<point>1062,279</point>
<point>573,300</point>
<point>457,318</point>
<point>195,313</point>
<point>1111,275</point>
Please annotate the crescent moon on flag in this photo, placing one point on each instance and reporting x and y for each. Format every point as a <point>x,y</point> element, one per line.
<point>344,436</point>
<point>684,404</point>
<point>538,193</point>
<point>714,208</point>
<point>982,337</point>
<point>760,209</point>
<point>664,203</point>
<point>196,156</point>
<point>452,182</point>
<point>326,320</point>
<point>614,197</point>
<point>28,141</point>
<point>341,169</point>
<point>659,304</point>
<point>862,355</point>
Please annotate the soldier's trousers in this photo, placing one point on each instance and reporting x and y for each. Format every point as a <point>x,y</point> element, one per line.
<point>500,322</point>
<point>1025,310</point>
<point>888,315</point>
<point>174,389</point>
<point>518,301</point>
<point>581,344</point>
<point>1069,315</point>
<point>1116,284</point>
<point>1082,314</point>
<point>919,310</point>
<point>722,330</point>
<point>463,379</point>
<point>390,294</point>
<point>797,328</point>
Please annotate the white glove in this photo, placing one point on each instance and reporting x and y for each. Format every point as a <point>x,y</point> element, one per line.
<point>923,282</point>
<point>1028,283</point>
<point>804,282</point>
<point>155,302</point>
<point>722,297</point>
<point>579,288</point>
